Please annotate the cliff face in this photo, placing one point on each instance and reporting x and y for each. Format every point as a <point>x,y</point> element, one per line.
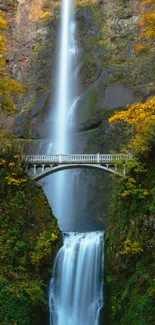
<point>109,68</point>
<point>111,74</point>
<point>27,35</point>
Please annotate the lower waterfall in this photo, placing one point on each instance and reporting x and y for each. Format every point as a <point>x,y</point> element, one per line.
<point>76,289</point>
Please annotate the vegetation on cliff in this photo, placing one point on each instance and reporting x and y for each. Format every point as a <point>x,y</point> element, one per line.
<point>142,117</point>
<point>8,86</point>
<point>147,26</point>
<point>129,240</point>
<point>129,250</point>
<point>29,238</point>
<point>26,219</point>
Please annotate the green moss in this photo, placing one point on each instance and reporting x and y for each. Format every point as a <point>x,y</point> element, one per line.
<point>88,105</point>
<point>30,105</point>
<point>88,57</point>
<point>98,16</point>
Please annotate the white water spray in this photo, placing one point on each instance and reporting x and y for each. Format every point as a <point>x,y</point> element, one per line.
<point>65,76</point>
<point>76,290</point>
<point>65,94</point>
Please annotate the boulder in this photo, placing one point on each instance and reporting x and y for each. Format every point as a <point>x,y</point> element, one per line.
<point>117,96</point>
<point>40,104</point>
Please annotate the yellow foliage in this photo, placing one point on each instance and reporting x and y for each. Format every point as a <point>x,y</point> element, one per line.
<point>46,15</point>
<point>44,246</point>
<point>14,181</point>
<point>3,162</point>
<point>146,192</point>
<point>147,25</point>
<point>54,237</point>
<point>132,188</point>
<point>36,10</point>
<point>142,117</point>
<point>131,247</point>
<point>140,47</point>
<point>8,86</point>
<point>11,164</point>
<point>3,24</point>
<point>83,3</point>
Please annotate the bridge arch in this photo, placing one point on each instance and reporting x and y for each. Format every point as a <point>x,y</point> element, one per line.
<point>56,168</point>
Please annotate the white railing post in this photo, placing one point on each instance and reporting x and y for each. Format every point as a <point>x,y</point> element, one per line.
<point>98,158</point>
<point>60,159</point>
<point>34,169</point>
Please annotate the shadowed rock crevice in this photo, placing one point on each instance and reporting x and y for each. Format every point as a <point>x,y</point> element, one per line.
<point>90,125</point>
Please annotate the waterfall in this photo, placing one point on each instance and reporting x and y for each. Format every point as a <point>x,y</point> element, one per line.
<point>59,187</point>
<point>65,80</point>
<point>65,190</point>
<point>76,289</point>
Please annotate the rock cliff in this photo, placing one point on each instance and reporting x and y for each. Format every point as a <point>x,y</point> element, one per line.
<point>111,74</point>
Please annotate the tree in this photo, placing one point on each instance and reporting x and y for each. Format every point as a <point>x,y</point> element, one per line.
<point>147,26</point>
<point>8,86</point>
<point>142,117</point>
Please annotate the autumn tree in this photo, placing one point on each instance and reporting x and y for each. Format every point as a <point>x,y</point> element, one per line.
<point>142,117</point>
<point>8,86</point>
<point>147,26</point>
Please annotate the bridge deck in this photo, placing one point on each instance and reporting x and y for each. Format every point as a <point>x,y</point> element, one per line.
<point>76,158</point>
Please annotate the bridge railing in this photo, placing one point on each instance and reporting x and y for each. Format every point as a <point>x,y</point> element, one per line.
<point>75,158</point>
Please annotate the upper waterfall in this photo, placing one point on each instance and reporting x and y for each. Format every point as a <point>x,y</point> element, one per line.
<point>60,185</point>
<point>65,82</point>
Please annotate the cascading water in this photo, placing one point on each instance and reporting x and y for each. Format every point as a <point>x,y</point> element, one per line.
<point>65,82</point>
<point>59,186</point>
<point>76,290</point>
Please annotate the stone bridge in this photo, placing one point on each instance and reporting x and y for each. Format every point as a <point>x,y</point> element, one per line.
<point>40,166</point>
